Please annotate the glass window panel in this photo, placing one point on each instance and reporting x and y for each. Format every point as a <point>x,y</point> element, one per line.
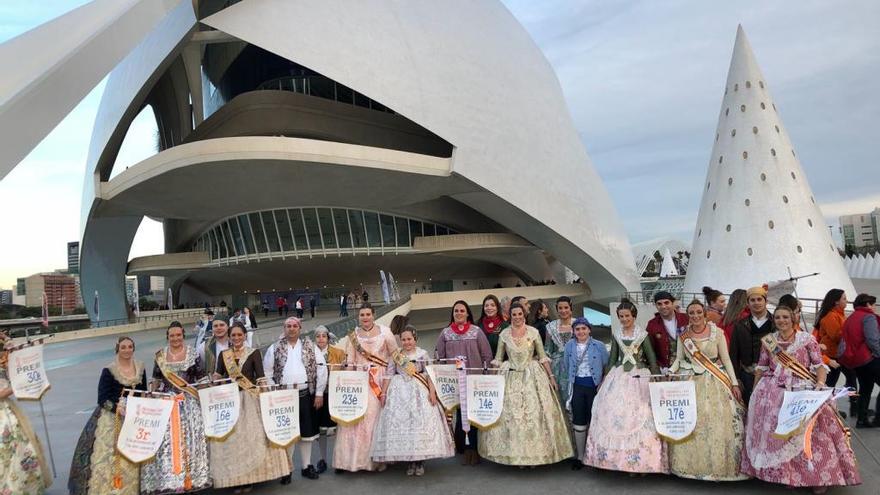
<point>442,230</point>
<point>283,230</point>
<point>402,232</point>
<point>321,87</point>
<point>388,230</point>
<point>361,100</point>
<point>372,224</point>
<point>227,236</point>
<point>221,242</point>
<point>312,231</point>
<point>257,225</point>
<point>340,218</point>
<point>357,229</point>
<point>247,234</point>
<point>327,228</point>
<point>415,230</point>
<point>271,235</point>
<point>299,232</point>
<point>236,236</point>
<point>344,95</point>
<point>429,229</point>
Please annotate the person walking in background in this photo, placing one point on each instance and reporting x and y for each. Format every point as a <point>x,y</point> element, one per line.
<point>861,352</point>
<point>280,305</point>
<point>343,305</point>
<point>300,310</point>
<point>313,303</point>
<point>664,328</point>
<point>828,331</point>
<point>266,309</point>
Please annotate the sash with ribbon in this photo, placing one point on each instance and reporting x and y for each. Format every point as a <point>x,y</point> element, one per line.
<point>462,397</point>
<point>234,371</point>
<point>697,355</point>
<point>173,378</point>
<point>404,363</point>
<point>375,372</point>
<point>771,345</point>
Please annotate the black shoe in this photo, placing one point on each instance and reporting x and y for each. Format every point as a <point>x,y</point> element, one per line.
<point>841,414</point>
<point>322,466</point>
<point>285,480</point>
<point>339,471</point>
<point>576,465</point>
<point>865,424</point>
<point>309,472</point>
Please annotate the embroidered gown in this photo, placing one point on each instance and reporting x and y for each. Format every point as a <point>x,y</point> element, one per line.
<point>23,469</point>
<point>622,436</point>
<point>410,428</point>
<point>263,461</point>
<point>713,451</point>
<point>156,475</point>
<point>532,429</point>
<point>554,347</point>
<point>92,470</point>
<point>354,442</point>
<point>782,460</point>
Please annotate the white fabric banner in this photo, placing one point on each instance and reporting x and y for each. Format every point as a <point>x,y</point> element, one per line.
<point>221,406</point>
<point>27,374</point>
<point>146,420</point>
<point>674,405</point>
<point>280,412</point>
<point>348,396</point>
<point>445,378</point>
<point>797,409</point>
<point>485,399</point>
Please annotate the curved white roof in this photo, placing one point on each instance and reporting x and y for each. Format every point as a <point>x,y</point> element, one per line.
<point>758,218</point>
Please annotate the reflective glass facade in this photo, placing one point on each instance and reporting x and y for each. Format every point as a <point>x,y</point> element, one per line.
<point>310,231</point>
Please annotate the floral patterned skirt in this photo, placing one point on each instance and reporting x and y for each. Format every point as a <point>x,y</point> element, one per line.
<point>409,427</point>
<point>157,476</point>
<point>92,470</point>
<point>532,429</point>
<point>354,442</point>
<point>782,460</point>
<point>713,451</point>
<point>22,466</point>
<point>622,435</point>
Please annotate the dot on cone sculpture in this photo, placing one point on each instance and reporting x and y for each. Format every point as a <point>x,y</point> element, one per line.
<point>758,217</point>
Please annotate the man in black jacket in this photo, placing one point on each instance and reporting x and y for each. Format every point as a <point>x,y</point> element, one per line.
<point>745,341</point>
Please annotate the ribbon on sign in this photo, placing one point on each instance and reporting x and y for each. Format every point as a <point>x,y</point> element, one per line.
<point>462,396</point>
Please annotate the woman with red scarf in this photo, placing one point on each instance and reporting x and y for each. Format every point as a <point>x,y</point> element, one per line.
<point>492,321</point>
<point>463,338</point>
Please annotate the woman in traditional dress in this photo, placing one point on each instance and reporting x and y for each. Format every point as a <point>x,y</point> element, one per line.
<point>412,426</point>
<point>23,468</point>
<point>559,332</point>
<point>369,344</point>
<point>532,429</point>
<point>332,356</point>
<point>622,434</point>
<point>713,451</point>
<point>585,359</point>
<point>463,338</point>
<point>263,461</point>
<point>791,360</point>
<point>96,467</point>
<point>491,321</point>
<point>174,368</point>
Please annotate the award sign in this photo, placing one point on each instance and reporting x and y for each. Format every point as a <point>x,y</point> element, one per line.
<point>445,378</point>
<point>146,421</point>
<point>220,409</point>
<point>797,409</point>
<point>485,399</point>
<point>348,396</point>
<point>674,405</point>
<point>280,412</point>
<point>26,373</point>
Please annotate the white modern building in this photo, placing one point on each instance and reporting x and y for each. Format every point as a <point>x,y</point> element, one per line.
<point>310,143</point>
<point>861,232</point>
<point>758,220</point>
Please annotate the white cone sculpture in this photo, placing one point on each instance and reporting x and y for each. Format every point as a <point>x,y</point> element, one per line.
<point>667,269</point>
<point>758,217</point>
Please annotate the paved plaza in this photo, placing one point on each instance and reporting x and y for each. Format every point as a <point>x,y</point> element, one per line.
<point>74,368</point>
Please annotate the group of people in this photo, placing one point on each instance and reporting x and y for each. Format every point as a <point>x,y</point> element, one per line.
<point>568,396</point>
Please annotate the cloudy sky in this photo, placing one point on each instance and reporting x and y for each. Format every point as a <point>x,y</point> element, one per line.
<point>643,79</point>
